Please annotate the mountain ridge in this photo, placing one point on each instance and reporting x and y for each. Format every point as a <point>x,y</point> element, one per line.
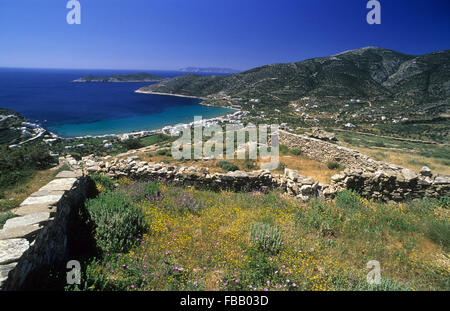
<point>209,70</point>
<point>367,73</point>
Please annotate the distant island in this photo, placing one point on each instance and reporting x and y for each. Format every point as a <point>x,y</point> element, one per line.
<point>133,77</point>
<point>209,70</point>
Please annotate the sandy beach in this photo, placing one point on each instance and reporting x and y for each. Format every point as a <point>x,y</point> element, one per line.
<point>167,94</point>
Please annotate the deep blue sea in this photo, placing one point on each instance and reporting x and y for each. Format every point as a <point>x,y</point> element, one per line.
<point>48,97</point>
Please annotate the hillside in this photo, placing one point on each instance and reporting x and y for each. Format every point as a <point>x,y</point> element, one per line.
<point>209,70</point>
<point>366,73</point>
<point>9,121</point>
<point>134,77</point>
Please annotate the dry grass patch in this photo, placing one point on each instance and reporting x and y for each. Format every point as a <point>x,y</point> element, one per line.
<point>307,167</point>
<point>405,157</point>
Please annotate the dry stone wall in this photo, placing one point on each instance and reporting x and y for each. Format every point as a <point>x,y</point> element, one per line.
<point>322,151</point>
<point>38,237</point>
<point>372,179</point>
<point>290,182</point>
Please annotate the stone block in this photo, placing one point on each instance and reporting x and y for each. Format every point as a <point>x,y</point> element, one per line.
<point>27,220</point>
<point>25,232</point>
<point>34,208</point>
<point>47,199</point>
<point>60,184</point>
<point>66,174</point>
<point>11,250</point>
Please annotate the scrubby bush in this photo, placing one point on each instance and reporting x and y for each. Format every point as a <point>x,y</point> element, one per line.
<point>348,199</point>
<point>164,152</point>
<point>283,149</point>
<point>5,217</point>
<point>132,144</point>
<point>102,182</point>
<point>116,221</point>
<point>249,164</point>
<point>318,216</point>
<point>333,165</point>
<point>265,237</point>
<point>439,232</point>
<point>140,191</point>
<point>296,152</point>
<point>281,166</point>
<point>227,166</point>
<point>18,165</point>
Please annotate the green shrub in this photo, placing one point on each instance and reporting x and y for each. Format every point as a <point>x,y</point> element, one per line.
<point>444,202</point>
<point>385,285</point>
<point>249,164</point>
<point>140,191</point>
<point>5,217</point>
<point>94,279</point>
<point>265,237</point>
<point>256,272</point>
<point>19,165</point>
<point>155,139</point>
<point>132,144</point>
<point>283,149</point>
<point>164,152</point>
<point>296,152</point>
<point>227,166</point>
<point>439,232</point>
<point>348,199</point>
<point>116,220</point>
<point>104,181</point>
<point>318,217</point>
<point>379,144</point>
<point>333,165</point>
<point>281,166</point>
<point>14,178</point>
<point>8,204</point>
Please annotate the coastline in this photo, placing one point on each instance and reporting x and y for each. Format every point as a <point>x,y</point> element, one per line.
<point>145,132</point>
<point>167,94</point>
<point>187,96</point>
<point>142,133</point>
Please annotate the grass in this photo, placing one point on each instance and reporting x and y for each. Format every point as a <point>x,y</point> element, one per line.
<point>4,217</point>
<point>203,240</point>
<point>407,154</point>
<point>307,167</point>
<point>13,196</point>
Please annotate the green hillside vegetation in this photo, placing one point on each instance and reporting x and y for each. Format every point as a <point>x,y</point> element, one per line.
<point>366,73</point>
<point>9,135</point>
<point>191,239</point>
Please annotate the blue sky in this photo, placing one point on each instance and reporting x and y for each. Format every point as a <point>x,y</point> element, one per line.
<point>241,34</point>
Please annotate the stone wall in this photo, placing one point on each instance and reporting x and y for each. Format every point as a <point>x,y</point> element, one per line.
<point>372,179</point>
<point>261,180</point>
<point>392,184</point>
<point>38,238</point>
<point>322,151</point>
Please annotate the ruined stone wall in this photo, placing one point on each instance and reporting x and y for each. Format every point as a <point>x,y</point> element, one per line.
<point>325,152</point>
<point>38,238</point>
<point>259,180</point>
<point>372,179</point>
